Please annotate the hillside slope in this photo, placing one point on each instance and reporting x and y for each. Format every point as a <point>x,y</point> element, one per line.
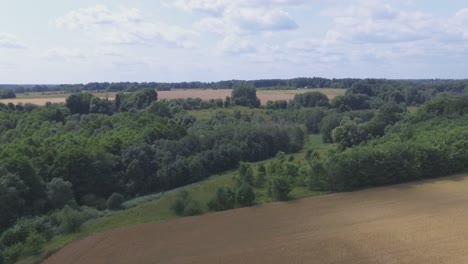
<point>421,222</point>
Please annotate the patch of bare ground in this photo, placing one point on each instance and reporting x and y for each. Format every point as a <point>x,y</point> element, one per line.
<point>421,222</point>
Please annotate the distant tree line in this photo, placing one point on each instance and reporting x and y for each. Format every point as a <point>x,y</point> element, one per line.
<point>431,85</point>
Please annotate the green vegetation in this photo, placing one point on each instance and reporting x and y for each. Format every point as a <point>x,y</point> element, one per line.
<point>245,96</point>
<point>67,169</point>
<point>7,93</point>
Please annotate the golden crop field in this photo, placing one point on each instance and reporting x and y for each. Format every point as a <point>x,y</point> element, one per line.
<point>263,95</point>
<point>422,222</point>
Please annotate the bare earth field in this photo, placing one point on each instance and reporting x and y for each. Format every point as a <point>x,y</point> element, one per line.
<point>423,222</point>
<point>264,96</point>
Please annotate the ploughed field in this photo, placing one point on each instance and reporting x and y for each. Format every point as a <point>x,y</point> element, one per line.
<point>263,95</point>
<point>424,222</point>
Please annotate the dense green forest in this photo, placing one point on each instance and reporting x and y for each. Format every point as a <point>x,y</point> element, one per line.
<point>62,164</point>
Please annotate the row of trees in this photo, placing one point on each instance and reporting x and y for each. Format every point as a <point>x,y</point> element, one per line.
<point>7,94</point>
<point>413,87</point>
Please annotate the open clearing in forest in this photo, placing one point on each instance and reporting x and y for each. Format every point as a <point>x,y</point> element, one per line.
<point>263,95</point>
<point>423,222</point>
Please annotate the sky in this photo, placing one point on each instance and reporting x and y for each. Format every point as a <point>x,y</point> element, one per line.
<point>69,41</point>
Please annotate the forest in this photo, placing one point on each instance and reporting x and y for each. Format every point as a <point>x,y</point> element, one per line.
<point>61,164</point>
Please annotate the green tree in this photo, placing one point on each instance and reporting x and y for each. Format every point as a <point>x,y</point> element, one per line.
<point>261,175</point>
<point>79,103</point>
<point>245,174</point>
<point>245,95</point>
<point>245,195</point>
<point>114,202</point>
<point>184,205</point>
<point>7,94</point>
<point>311,99</point>
<point>59,192</point>
<point>70,220</point>
<point>224,199</point>
<point>279,187</point>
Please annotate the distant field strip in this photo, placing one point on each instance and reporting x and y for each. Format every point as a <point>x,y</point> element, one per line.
<point>421,222</point>
<point>264,95</point>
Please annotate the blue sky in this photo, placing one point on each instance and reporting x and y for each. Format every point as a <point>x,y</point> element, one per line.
<point>207,40</point>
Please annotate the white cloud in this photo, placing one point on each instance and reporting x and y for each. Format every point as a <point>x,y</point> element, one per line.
<point>123,26</point>
<point>237,21</point>
<point>375,33</point>
<point>235,45</point>
<point>219,6</point>
<point>64,55</point>
<point>10,41</point>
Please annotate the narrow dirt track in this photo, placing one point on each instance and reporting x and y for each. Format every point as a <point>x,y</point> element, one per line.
<point>424,222</point>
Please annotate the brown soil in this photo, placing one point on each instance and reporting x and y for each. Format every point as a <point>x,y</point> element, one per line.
<point>412,223</point>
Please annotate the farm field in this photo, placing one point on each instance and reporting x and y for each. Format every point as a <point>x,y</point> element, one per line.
<point>263,95</point>
<point>422,222</point>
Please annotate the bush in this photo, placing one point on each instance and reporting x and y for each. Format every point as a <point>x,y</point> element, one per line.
<point>92,200</point>
<point>15,235</point>
<point>34,244</point>
<point>245,174</point>
<point>12,254</point>
<point>115,201</point>
<point>70,220</point>
<point>192,208</point>
<point>185,206</point>
<point>245,195</point>
<point>261,175</point>
<point>279,187</point>
<point>224,199</point>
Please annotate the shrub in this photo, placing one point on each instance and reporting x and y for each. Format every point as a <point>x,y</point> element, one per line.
<point>245,174</point>
<point>192,208</point>
<point>245,195</point>
<point>15,235</point>
<point>70,220</point>
<point>261,175</point>
<point>279,187</point>
<point>224,199</point>
<point>115,201</point>
<point>11,254</point>
<point>93,201</point>
<point>185,206</point>
<point>34,244</point>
